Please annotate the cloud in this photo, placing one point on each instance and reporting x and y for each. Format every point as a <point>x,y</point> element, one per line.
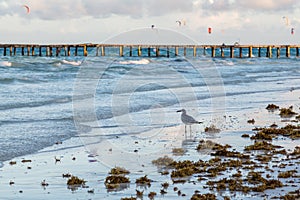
<point>62,9</point>
<point>214,6</point>
<point>268,5</point>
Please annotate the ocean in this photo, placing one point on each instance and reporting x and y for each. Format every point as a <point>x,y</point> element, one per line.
<point>47,100</point>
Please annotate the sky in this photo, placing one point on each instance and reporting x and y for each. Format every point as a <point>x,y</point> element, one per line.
<point>94,21</point>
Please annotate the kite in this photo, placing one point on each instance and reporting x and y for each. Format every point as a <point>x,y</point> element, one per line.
<point>286,20</point>
<point>27,8</point>
<point>292,31</point>
<point>179,22</point>
<point>209,30</point>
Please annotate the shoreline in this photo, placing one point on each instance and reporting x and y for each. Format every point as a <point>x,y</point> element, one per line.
<point>74,158</point>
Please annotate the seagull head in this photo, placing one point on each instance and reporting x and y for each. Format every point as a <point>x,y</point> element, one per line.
<point>182,110</point>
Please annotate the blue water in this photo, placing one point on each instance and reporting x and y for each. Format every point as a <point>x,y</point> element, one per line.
<point>38,93</point>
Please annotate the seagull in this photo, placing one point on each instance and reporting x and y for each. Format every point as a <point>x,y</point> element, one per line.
<point>187,120</point>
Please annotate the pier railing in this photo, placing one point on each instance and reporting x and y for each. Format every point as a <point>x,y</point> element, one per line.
<point>223,51</point>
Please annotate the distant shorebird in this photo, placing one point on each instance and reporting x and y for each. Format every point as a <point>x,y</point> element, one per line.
<point>187,120</point>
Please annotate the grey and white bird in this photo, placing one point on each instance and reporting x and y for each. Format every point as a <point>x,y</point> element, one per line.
<point>187,119</point>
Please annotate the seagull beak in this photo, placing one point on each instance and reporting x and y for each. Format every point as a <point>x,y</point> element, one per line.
<point>178,110</point>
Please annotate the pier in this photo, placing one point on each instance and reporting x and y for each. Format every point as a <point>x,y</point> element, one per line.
<point>219,51</point>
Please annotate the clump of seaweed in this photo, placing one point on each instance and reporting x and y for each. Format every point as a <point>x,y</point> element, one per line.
<point>74,180</point>
<point>178,151</point>
<point>118,171</point>
<point>289,130</point>
<point>287,112</point>
<point>272,107</point>
<point>262,135</point>
<point>115,181</point>
<point>296,151</point>
<point>151,195</point>
<point>205,144</point>
<point>212,129</point>
<point>287,174</point>
<point>261,145</point>
<point>204,197</point>
<point>163,161</point>
<point>144,180</point>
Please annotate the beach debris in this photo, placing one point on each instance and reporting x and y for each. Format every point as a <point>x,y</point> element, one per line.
<point>92,191</point>
<point>245,135</point>
<point>68,175</point>
<point>25,161</point>
<point>272,107</point>
<point>57,159</point>
<point>128,198</point>
<point>144,180</point>
<point>212,129</point>
<point>12,162</point>
<point>119,171</point>
<point>44,183</point>
<point>251,121</point>
<point>58,142</point>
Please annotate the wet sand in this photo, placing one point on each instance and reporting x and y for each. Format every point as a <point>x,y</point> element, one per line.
<point>40,176</point>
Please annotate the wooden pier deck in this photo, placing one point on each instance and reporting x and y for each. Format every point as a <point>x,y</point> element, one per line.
<point>223,51</point>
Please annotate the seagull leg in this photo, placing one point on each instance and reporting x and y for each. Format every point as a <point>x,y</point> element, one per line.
<point>190,130</point>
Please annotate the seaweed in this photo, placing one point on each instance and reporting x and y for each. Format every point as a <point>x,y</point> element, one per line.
<point>143,181</point>
<point>287,112</point>
<point>272,107</point>
<point>118,171</point>
<point>212,129</point>
<point>115,181</point>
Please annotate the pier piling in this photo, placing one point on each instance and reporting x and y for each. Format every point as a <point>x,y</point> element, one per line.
<point>244,51</point>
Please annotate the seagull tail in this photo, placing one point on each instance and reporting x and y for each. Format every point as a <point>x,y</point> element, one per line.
<point>200,122</point>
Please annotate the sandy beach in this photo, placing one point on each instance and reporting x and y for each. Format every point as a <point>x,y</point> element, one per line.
<point>40,176</point>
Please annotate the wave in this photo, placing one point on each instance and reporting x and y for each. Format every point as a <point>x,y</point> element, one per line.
<point>136,62</point>
<point>5,63</point>
<point>74,63</point>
